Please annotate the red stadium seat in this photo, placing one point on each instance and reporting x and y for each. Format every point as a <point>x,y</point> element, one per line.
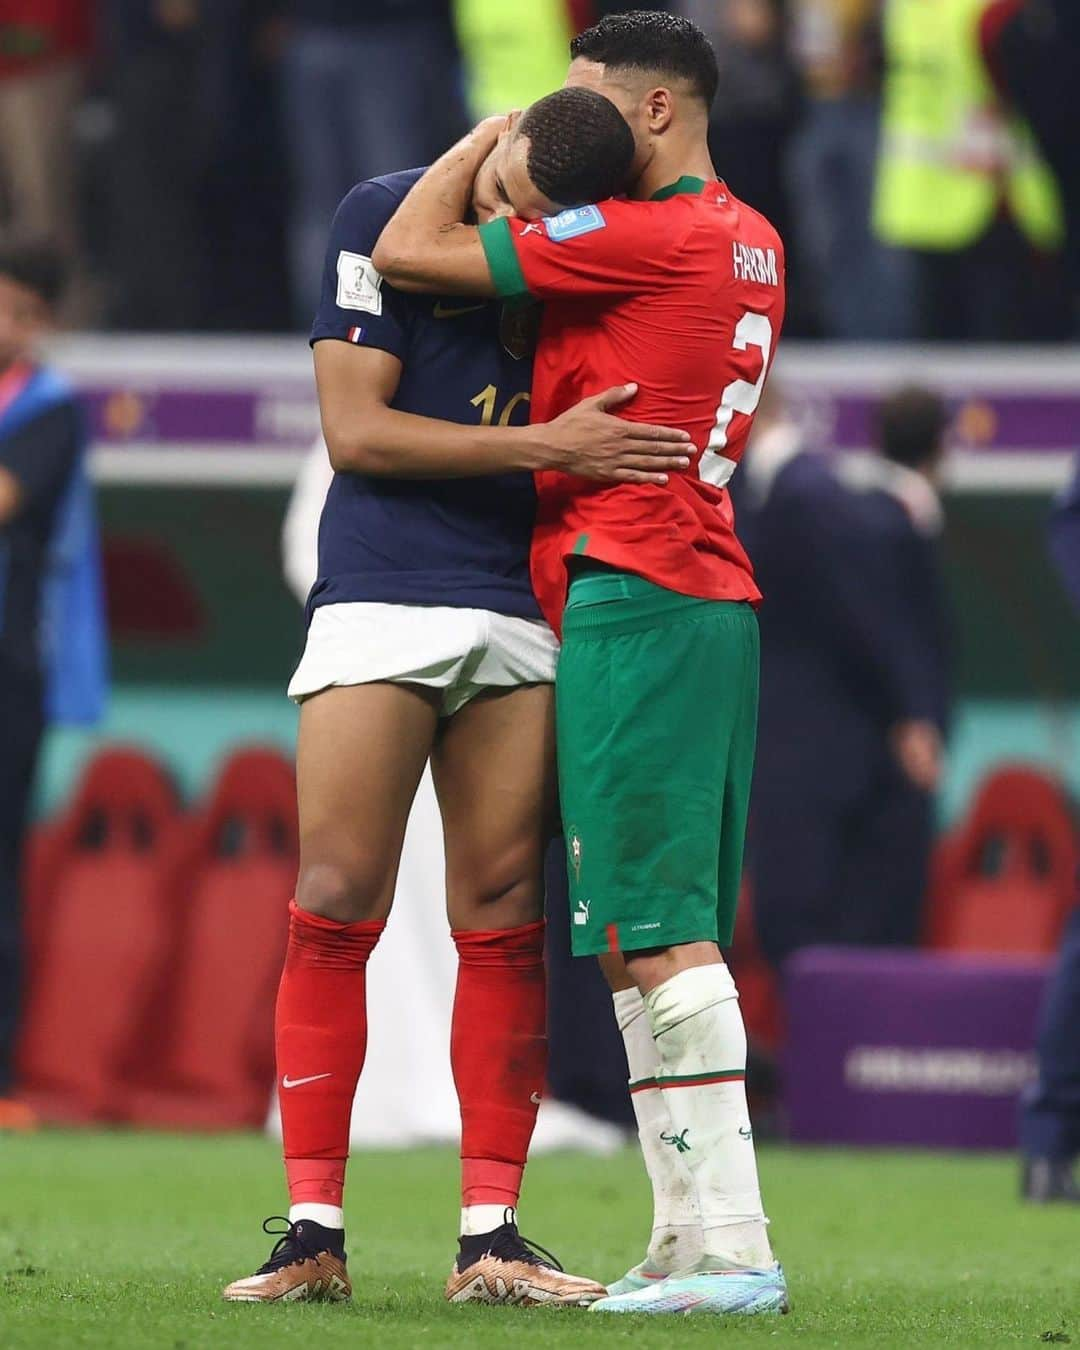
<point>233,886</point>
<point>149,594</point>
<point>99,929</point>
<point>1004,882</point>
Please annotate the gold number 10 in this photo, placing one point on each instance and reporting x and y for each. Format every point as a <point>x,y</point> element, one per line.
<point>488,397</point>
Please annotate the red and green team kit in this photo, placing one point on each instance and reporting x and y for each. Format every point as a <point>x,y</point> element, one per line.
<point>648,585</point>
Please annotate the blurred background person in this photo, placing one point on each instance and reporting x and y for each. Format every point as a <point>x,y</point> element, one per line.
<point>366,90</point>
<point>1050,1116</point>
<point>853,680</point>
<point>855,286</point>
<point>513,54</point>
<point>1037,67</point>
<point>961,183</point>
<point>758,102</point>
<point>44,49</point>
<point>194,155</point>
<point>51,630</point>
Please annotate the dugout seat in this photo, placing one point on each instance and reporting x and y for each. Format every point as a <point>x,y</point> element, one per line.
<point>99,931</point>
<point>1005,880</point>
<point>233,886</point>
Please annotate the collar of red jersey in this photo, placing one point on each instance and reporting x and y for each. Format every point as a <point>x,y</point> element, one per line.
<point>687,183</point>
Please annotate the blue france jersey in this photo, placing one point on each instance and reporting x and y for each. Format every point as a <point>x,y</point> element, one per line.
<point>463,541</point>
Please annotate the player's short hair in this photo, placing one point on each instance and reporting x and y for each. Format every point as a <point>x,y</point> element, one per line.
<point>580,147</point>
<point>653,43</point>
<point>36,264</point>
<point>911,426</point>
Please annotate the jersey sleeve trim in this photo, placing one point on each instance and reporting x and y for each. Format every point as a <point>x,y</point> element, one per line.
<point>360,335</point>
<point>502,259</point>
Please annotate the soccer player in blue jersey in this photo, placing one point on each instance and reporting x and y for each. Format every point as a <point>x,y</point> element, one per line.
<point>426,644</point>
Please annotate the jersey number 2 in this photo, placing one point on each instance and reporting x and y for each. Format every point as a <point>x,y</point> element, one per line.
<point>740,396</point>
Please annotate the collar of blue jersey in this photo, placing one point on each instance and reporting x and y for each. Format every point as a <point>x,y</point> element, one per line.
<point>687,183</point>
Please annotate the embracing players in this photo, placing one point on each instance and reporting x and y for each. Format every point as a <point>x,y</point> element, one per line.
<point>657,680</point>
<point>426,643</point>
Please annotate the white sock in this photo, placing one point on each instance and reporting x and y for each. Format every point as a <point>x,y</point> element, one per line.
<point>676,1239</point>
<point>477,1219</point>
<point>328,1215</point>
<point>701,1041</point>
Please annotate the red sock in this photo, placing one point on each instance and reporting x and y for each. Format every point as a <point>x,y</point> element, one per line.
<point>498,1050</point>
<point>321,1038</point>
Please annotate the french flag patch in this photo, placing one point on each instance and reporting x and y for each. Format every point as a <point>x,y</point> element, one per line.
<point>356,334</point>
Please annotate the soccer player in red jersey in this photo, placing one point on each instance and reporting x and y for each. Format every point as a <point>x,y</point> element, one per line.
<point>657,681</point>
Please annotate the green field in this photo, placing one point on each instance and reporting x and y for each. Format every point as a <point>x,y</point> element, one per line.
<point>125,1240</point>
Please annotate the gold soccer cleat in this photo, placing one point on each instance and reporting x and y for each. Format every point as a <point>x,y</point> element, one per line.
<point>307,1265</point>
<point>503,1267</point>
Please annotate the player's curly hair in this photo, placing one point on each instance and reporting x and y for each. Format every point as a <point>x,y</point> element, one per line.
<point>653,43</point>
<point>580,147</point>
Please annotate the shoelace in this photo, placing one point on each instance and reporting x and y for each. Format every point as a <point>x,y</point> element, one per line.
<point>509,1245</point>
<point>288,1250</point>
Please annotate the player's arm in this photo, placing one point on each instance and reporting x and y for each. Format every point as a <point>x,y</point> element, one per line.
<point>365,434</point>
<point>615,248</point>
<point>425,246</point>
<point>858,565</point>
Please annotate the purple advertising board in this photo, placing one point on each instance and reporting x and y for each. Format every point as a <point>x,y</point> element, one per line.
<point>909,1048</point>
<point>179,402</point>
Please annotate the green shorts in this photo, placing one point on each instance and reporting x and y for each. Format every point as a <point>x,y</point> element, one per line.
<point>656,698</point>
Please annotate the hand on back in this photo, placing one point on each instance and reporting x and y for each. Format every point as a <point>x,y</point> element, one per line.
<point>589,441</point>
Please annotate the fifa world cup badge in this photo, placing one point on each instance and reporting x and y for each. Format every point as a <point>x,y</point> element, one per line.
<point>575,853</point>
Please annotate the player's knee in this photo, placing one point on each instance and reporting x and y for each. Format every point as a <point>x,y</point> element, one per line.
<point>346,893</point>
<point>495,898</point>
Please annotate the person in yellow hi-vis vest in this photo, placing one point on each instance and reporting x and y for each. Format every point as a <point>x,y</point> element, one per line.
<point>513,53</point>
<point>960,180</point>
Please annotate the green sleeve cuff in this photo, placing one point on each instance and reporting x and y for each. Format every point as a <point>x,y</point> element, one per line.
<point>502,259</point>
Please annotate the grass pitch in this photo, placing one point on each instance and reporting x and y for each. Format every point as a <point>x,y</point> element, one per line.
<point>118,1240</point>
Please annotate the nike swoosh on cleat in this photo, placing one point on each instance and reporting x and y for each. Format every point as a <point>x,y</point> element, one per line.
<point>288,1082</point>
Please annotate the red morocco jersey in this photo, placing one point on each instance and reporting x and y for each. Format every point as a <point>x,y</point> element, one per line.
<point>684,295</point>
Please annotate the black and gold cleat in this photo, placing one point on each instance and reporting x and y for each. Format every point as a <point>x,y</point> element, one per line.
<point>307,1265</point>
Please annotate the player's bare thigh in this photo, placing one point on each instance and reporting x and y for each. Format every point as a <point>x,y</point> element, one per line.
<point>654,966</point>
<point>494,771</point>
<point>360,754</point>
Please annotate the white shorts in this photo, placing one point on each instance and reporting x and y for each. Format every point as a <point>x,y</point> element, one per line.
<point>460,651</point>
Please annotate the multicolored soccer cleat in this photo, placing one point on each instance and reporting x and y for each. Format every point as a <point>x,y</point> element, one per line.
<point>504,1267</point>
<point>731,1292</point>
<point>638,1277</point>
<point>307,1265</point>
